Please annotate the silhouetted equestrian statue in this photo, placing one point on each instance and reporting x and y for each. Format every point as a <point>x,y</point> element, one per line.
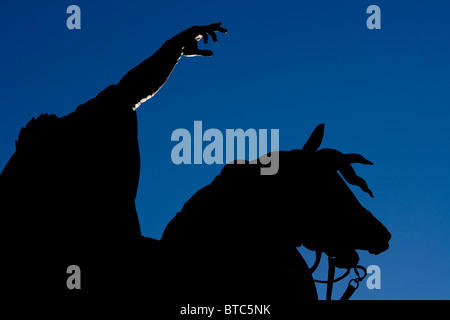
<point>68,199</point>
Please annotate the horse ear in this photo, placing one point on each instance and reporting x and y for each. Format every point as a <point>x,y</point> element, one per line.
<point>315,139</point>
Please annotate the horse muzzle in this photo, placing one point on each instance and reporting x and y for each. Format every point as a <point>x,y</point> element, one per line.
<point>381,245</point>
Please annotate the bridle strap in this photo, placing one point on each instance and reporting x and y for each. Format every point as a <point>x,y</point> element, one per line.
<point>349,291</point>
<point>331,280</point>
<point>317,262</point>
<point>331,272</point>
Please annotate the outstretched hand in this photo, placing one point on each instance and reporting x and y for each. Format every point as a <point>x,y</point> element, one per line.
<point>189,38</point>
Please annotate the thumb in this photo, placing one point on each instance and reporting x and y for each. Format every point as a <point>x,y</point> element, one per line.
<point>197,52</point>
<point>204,53</point>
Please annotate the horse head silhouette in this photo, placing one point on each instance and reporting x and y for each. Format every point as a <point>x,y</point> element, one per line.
<point>245,216</point>
<point>342,223</point>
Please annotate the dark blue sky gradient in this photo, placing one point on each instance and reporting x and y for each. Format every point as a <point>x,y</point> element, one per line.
<point>286,65</point>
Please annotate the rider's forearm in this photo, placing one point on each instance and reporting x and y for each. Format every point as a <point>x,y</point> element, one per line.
<point>142,82</point>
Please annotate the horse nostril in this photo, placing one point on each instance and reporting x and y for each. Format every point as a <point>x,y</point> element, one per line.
<point>380,241</point>
<point>389,236</point>
<point>380,249</point>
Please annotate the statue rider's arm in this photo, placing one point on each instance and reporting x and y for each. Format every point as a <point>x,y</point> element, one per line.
<point>142,82</point>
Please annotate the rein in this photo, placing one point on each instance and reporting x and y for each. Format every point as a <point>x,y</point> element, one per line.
<point>331,280</point>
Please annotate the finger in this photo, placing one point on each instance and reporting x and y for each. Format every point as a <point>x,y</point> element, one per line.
<point>213,35</point>
<point>205,37</point>
<point>218,27</point>
<point>223,30</point>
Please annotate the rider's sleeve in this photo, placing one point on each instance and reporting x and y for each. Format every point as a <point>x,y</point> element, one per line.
<point>145,80</point>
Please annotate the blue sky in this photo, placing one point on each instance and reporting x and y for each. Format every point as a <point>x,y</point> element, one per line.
<point>286,65</point>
